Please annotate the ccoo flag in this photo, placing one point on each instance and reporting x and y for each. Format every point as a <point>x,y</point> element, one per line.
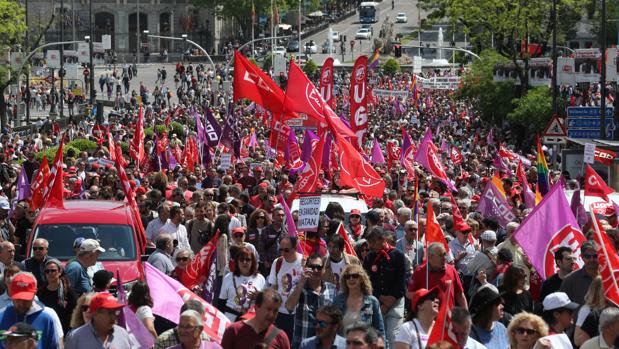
<point>494,205</point>
<point>595,185</point>
<point>549,226</point>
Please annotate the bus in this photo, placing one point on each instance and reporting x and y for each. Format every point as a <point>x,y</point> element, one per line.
<point>368,12</point>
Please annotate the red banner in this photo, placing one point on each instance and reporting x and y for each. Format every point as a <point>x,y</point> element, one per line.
<point>605,157</point>
<point>326,82</point>
<point>358,101</point>
<point>278,139</point>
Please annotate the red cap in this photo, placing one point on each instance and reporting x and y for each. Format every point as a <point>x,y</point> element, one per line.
<point>355,211</point>
<point>23,287</point>
<point>108,166</point>
<point>95,166</point>
<point>238,230</point>
<point>258,169</point>
<point>418,295</point>
<point>140,191</point>
<point>104,300</point>
<point>263,185</point>
<point>475,198</point>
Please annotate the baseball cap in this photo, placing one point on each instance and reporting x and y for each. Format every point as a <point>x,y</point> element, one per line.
<point>488,235</point>
<point>558,300</point>
<point>355,211</point>
<point>422,294</point>
<point>20,329</point>
<point>91,245</point>
<point>104,300</point>
<point>4,204</point>
<point>23,287</point>
<point>77,242</point>
<point>238,230</point>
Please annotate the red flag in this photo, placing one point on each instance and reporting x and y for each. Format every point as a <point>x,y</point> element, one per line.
<point>111,146</point>
<point>130,196</point>
<point>434,233</point>
<point>278,138</point>
<point>198,269</point>
<point>307,181</point>
<point>459,223</point>
<point>252,83</point>
<point>326,82</point>
<point>608,260</point>
<point>347,245</point>
<point>456,155</point>
<point>39,184</point>
<point>442,329</point>
<point>595,185</point>
<point>136,147</point>
<point>393,153</point>
<point>358,102</point>
<point>605,157</point>
<point>357,172</point>
<point>53,196</point>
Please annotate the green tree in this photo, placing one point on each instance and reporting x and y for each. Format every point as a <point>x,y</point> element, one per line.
<point>391,66</point>
<point>506,24</point>
<point>13,30</point>
<point>310,68</point>
<point>533,110</point>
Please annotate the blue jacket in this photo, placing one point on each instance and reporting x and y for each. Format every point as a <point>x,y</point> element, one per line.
<point>39,317</point>
<point>370,311</point>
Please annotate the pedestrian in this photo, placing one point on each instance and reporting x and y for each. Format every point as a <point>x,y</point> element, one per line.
<point>170,337</point>
<point>486,309</point>
<point>162,257</point>
<point>415,332</point>
<point>20,336</point>
<point>328,324</point>
<point>609,331</point>
<point>77,270</point>
<point>337,261</point>
<point>525,329</point>
<point>56,293</point>
<point>36,263</point>
<point>361,335</point>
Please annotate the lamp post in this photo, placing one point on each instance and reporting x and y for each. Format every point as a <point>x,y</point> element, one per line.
<point>146,46</point>
<point>185,39</point>
<point>61,71</point>
<point>603,73</point>
<point>88,39</point>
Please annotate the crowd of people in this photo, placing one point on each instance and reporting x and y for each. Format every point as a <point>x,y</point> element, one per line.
<point>384,293</point>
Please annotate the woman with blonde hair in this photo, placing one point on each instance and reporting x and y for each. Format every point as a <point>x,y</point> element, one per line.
<point>80,315</point>
<point>356,300</point>
<point>525,329</point>
<point>589,313</point>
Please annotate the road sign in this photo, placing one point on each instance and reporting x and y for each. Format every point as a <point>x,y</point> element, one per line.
<point>50,79</point>
<point>584,122</point>
<point>555,132</point>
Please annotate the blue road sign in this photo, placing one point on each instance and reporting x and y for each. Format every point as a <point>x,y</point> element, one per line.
<point>584,122</point>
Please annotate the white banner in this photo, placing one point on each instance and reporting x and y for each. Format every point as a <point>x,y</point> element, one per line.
<point>589,153</point>
<point>441,83</point>
<point>225,161</point>
<point>389,93</point>
<point>53,59</point>
<point>309,213</point>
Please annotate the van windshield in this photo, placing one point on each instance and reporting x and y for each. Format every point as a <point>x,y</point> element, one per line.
<point>116,239</point>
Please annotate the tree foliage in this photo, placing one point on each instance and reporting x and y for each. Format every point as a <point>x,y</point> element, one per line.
<point>534,110</point>
<point>506,24</point>
<point>391,66</point>
<point>310,68</point>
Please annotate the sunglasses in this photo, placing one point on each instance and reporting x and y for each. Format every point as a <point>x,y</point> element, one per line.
<point>38,248</point>
<point>182,259</point>
<point>245,260</point>
<point>84,307</point>
<point>240,235</point>
<point>323,324</point>
<point>315,267</point>
<point>351,276</point>
<point>261,217</point>
<point>527,331</point>
<point>50,271</point>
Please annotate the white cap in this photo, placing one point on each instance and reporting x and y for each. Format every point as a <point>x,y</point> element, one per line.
<point>4,204</point>
<point>488,235</point>
<point>558,300</point>
<point>91,245</point>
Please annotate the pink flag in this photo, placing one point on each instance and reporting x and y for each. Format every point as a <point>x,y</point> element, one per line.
<point>490,137</point>
<point>253,142</point>
<point>377,153</point>
<point>290,226</point>
<point>427,156</point>
<point>169,296</point>
<point>549,226</point>
<point>494,205</point>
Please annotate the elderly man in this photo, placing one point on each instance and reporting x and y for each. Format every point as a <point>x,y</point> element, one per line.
<point>259,329</point>
<point>410,245</point>
<point>36,263</point>
<point>170,337</point>
<point>609,330</point>
<point>189,329</point>
<point>461,327</point>
<point>405,214</point>
<point>25,308</point>
<point>520,259</point>
<point>440,275</point>
<point>102,329</point>
<point>77,270</point>
<point>162,257</point>
<point>7,255</point>
<point>20,336</point>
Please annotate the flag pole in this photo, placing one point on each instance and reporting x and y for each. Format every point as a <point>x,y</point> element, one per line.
<point>447,299</point>
<point>602,245</point>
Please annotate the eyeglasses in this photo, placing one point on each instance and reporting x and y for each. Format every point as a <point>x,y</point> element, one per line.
<point>589,256</point>
<point>351,276</point>
<point>110,312</point>
<point>315,267</point>
<point>527,331</point>
<point>323,324</point>
<point>50,271</point>
<point>182,259</point>
<point>245,260</point>
<point>355,217</point>
<point>38,248</point>
<point>284,250</point>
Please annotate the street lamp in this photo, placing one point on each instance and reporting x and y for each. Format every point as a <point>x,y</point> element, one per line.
<point>146,52</point>
<point>87,38</point>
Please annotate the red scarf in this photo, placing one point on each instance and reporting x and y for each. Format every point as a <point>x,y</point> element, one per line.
<point>356,230</point>
<point>383,253</point>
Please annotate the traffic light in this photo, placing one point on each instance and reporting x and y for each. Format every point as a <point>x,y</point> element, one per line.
<point>397,48</point>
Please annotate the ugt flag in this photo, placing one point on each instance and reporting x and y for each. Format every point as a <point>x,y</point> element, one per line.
<point>494,205</point>
<point>549,226</point>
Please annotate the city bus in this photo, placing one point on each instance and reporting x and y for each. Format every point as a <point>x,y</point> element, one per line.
<point>368,12</point>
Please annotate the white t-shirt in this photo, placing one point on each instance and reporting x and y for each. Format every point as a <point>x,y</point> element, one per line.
<point>236,297</point>
<point>178,233</point>
<point>337,268</point>
<point>144,312</point>
<point>408,334</point>
<point>286,279</point>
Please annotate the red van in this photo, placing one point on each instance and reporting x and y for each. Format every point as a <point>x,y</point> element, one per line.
<point>109,222</point>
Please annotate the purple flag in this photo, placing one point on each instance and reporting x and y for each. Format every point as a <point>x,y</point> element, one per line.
<point>550,225</point>
<point>171,159</point>
<point>427,157</point>
<point>230,136</point>
<point>210,285</point>
<point>129,321</point>
<point>23,185</point>
<point>493,205</point>
<point>501,165</point>
<point>200,129</point>
<point>444,146</point>
<point>253,141</point>
<point>290,226</point>
<point>579,210</point>
<point>490,138</point>
<point>211,128</point>
<point>306,149</point>
<point>377,153</point>
<point>326,152</point>
<point>345,120</point>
